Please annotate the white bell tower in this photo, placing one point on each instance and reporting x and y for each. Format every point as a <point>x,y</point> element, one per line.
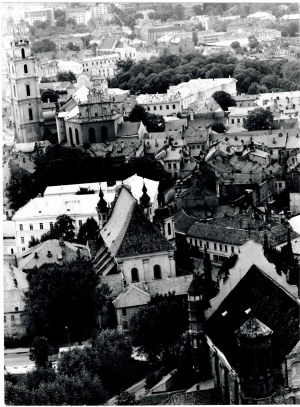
<point>27,113</point>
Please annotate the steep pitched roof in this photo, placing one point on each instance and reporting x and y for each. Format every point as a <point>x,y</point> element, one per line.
<point>14,286</point>
<point>39,255</point>
<point>129,232</point>
<point>269,303</point>
<point>132,297</point>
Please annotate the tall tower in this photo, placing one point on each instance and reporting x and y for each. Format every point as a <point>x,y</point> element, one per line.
<point>24,89</point>
<point>255,361</point>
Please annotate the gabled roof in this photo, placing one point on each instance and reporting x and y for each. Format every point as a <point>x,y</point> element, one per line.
<point>264,299</point>
<point>129,232</point>
<point>39,255</point>
<point>253,328</point>
<point>128,129</point>
<point>132,297</point>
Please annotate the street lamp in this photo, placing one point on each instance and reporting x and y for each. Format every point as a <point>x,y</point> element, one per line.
<point>67,329</point>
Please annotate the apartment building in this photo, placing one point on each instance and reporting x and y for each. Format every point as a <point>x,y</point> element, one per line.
<point>104,65</point>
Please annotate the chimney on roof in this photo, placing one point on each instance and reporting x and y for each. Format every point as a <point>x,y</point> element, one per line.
<point>49,254</point>
<point>61,241</point>
<point>36,256</point>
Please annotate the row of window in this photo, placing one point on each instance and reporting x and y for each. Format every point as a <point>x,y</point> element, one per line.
<point>200,243</point>
<point>170,166</point>
<point>238,120</point>
<point>27,87</point>
<point>41,225</point>
<point>161,107</point>
<point>135,273</point>
<point>12,317</point>
<point>100,62</point>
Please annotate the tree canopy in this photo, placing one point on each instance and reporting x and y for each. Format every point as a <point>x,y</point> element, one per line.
<point>62,228</point>
<point>155,327</point>
<point>44,45</point>
<point>224,99</point>
<point>64,295</point>
<point>88,231</point>
<point>39,352</point>
<point>258,119</point>
<point>66,77</point>
<point>153,122</point>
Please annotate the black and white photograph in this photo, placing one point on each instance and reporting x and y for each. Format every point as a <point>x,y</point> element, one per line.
<point>151,203</point>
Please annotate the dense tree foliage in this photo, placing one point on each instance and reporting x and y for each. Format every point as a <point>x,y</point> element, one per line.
<point>66,77</point>
<point>44,45</point>
<point>224,99</point>
<point>86,376</point>
<point>39,352</point>
<point>158,325</point>
<point>109,358</point>
<point>53,389</point>
<point>258,119</point>
<point>64,295</point>
<point>158,73</point>
<point>62,228</point>
<point>218,127</point>
<point>153,122</point>
<point>88,231</point>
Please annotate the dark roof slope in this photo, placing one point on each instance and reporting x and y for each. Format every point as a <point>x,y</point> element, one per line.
<point>269,303</point>
<point>128,129</point>
<point>142,237</point>
<point>183,221</point>
<point>202,397</point>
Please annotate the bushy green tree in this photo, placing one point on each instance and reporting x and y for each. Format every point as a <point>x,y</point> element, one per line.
<point>258,119</point>
<point>66,77</point>
<point>224,99</point>
<point>39,352</point>
<point>62,228</point>
<point>64,295</point>
<point>45,45</point>
<point>156,327</point>
<point>88,231</point>
<point>152,122</point>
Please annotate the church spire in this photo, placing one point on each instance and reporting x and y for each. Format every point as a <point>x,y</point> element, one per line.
<point>102,209</point>
<point>145,201</point>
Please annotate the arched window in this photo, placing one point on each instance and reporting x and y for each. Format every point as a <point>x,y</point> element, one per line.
<point>92,137</point>
<point>76,136</point>
<point>104,135</point>
<point>30,114</point>
<point>71,136</point>
<point>134,275</point>
<point>14,90</point>
<point>157,272</point>
<point>13,69</point>
<point>23,52</point>
<point>25,69</point>
<point>27,90</point>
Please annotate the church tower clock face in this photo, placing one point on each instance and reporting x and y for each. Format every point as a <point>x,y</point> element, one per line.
<point>24,88</point>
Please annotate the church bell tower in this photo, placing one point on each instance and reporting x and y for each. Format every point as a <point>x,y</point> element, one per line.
<point>26,105</point>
